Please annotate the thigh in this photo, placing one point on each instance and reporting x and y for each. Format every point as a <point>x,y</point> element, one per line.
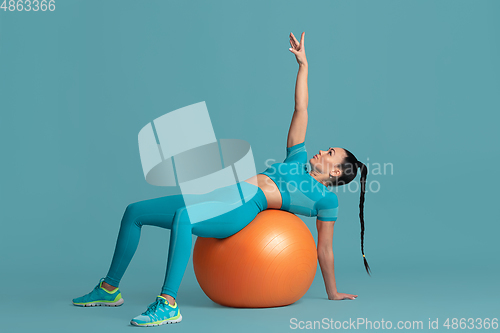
<point>228,223</point>
<point>156,212</point>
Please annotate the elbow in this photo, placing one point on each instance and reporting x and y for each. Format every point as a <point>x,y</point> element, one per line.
<point>324,252</point>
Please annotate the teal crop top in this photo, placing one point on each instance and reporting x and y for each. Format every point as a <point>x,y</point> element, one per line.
<point>300,192</point>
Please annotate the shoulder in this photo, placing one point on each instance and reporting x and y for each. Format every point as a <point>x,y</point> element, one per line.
<point>296,153</point>
<point>296,148</point>
<point>330,200</point>
<point>296,145</point>
<point>328,207</point>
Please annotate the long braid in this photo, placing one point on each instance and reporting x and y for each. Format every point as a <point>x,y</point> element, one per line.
<point>364,172</point>
<point>349,168</point>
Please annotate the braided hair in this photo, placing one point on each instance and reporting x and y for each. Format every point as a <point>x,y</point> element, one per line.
<point>349,169</point>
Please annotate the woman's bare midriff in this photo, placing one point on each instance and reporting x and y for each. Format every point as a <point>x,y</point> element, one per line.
<point>269,188</point>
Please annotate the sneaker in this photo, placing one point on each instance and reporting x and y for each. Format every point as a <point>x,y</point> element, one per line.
<point>158,313</point>
<point>100,297</point>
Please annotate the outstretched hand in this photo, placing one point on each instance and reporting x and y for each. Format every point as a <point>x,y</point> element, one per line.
<point>341,296</point>
<point>298,49</point>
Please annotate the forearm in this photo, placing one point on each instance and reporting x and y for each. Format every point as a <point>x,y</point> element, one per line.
<point>326,262</point>
<point>301,93</point>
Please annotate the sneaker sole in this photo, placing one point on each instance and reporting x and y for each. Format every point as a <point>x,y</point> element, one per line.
<point>99,303</point>
<point>162,323</point>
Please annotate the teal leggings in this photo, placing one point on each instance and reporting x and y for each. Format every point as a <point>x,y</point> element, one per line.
<point>170,212</point>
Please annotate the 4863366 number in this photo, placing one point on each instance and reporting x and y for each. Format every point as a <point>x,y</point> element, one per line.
<point>471,323</point>
<point>28,5</point>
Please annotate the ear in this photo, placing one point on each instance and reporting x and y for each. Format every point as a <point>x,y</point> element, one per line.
<point>335,172</point>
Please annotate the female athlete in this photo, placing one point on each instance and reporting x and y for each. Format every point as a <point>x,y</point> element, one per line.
<point>296,185</point>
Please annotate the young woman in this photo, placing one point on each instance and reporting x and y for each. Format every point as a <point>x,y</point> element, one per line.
<point>297,185</point>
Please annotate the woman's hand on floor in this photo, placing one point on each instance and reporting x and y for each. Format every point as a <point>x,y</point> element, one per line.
<point>298,49</point>
<point>341,296</point>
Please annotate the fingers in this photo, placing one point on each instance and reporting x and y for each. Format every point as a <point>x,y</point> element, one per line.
<point>293,43</point>
<point>302,39</point>
<point>294,48</point>
<point>350,296</point>
<point>295,40</point>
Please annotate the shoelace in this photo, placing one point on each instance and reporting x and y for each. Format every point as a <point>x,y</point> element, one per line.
<point>97,287</point>
<point>89,294</point>
<point>153,306</point>
<point>99,284</point>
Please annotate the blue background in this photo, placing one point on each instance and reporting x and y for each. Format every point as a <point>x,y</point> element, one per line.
<point>411,83</point>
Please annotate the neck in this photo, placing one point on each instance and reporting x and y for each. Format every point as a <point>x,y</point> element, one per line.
<point>320,177</point>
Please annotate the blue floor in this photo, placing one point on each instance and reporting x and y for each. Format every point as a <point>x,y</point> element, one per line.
<point>407,294</point>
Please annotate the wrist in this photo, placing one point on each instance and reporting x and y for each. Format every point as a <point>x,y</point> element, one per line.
<point>332,292</point>
<point>303,64</point>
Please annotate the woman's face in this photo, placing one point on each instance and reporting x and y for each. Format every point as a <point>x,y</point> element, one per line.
<point>327,161</point>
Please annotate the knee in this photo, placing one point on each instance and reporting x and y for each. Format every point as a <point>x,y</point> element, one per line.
<point>132,212</point>
<point>181,218</point>
<point>131,209</point>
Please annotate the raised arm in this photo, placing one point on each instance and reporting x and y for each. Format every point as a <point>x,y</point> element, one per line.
<point>326,262</point>
<point>298,126</point>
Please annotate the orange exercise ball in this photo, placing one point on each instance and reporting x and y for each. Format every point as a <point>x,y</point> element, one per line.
<point>271,262</point>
